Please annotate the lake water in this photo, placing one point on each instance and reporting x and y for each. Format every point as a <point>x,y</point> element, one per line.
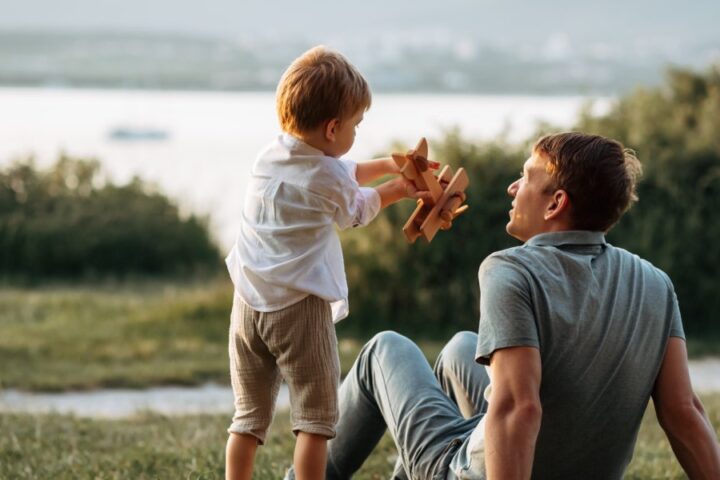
<point>209,398</point>
<point>199,145</point>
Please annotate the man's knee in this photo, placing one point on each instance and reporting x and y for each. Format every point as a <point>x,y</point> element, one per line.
<point>388,339</point>
<point>460,345</point>
<point>457,351</point>
<point>389,344</point>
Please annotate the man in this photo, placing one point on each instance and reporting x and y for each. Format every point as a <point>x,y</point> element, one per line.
<point>578,335</point>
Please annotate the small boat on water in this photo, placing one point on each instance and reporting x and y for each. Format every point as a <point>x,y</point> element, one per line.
<point>133,134</point>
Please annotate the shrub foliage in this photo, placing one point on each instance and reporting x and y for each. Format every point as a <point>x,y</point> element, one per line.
<point>68,222</point>
<point>675,130</point>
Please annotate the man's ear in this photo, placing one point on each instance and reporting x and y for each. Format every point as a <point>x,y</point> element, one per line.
<point>558,205</point>
<point>331,128</point>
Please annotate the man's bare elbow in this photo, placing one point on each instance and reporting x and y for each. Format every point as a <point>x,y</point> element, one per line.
<point>698,405</point>
<point>677,415</point>
<point>534,411</point>
<point>528,413</point>
<point>525,405</point>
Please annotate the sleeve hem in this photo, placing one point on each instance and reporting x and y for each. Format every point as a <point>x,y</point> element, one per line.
<point>483,353</point>
<point>370,206</point>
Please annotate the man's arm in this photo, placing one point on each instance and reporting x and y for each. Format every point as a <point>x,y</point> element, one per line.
<point>682,416</point>
<point>514,413</point>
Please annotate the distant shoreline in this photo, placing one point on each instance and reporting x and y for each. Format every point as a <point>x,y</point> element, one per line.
<point>402,92</point>
<point>205,398</point>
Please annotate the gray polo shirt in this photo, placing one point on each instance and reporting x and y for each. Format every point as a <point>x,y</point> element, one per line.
<point>601,318</point>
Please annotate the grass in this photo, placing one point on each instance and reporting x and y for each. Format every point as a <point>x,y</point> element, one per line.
<point>127,335</point>
<point>146,447</point>
<point>151,446</point>
<point>136,335</point>
<point>653,457</point>
<point>114,336</point>
<point>151,333</point>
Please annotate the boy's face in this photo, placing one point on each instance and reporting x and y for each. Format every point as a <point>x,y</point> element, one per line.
<point>344,134</point>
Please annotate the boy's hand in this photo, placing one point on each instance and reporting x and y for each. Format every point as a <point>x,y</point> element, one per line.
<point>411,191</point>
<point>433,165</point>
<point>425,164</point>
<point>398,188</point>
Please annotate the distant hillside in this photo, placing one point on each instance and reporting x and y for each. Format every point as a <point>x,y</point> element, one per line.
<point>612,24</point>
<point>396,62</point>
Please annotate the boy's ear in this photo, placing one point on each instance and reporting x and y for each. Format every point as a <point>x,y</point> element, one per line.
<point>331,128</point>
<point>558,205</point>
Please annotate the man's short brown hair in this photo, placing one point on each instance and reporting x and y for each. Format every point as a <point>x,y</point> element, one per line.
<point>598,174</point>
<point>318,86</point>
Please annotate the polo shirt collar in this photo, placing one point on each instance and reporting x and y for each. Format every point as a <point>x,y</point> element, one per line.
<point>570,237</point>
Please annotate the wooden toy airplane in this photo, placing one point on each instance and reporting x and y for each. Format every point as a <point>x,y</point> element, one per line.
<point>447,192</point>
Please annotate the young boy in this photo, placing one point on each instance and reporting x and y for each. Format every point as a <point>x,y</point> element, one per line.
<point>287,264</point>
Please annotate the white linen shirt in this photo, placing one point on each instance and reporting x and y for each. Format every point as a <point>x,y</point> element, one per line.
<point>288,247</point>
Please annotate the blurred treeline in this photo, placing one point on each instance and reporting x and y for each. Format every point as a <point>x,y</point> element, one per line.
<point>68,222</point>
<point>432,289</point>
<point>421,289</point>
<point>675,131</point>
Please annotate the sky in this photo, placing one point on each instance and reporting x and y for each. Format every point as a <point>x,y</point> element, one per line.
<point>498,21</point>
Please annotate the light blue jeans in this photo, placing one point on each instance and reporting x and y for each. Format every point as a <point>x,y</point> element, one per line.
<point>429,413</point>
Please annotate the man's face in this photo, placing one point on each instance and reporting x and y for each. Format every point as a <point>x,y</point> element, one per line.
<point>530,199</point>
<point>345,134</point>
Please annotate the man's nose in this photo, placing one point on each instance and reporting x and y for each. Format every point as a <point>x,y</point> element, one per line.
<point>512,188</point>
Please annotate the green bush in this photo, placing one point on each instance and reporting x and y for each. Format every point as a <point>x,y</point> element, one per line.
<point>66,222</point>
<point>432,289</point>
<point>675,131</point>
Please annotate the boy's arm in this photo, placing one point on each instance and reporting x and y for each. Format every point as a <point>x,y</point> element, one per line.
<point>397,189</point>
<point>371,170</point>
<point>682,416</point>
<point>356,209</point>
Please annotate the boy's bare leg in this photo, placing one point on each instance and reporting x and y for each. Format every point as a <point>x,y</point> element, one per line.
<point>310,456</point>
<point>240,456</point>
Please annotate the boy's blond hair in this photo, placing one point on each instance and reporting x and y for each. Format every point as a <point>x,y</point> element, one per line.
<point>318,86</point>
